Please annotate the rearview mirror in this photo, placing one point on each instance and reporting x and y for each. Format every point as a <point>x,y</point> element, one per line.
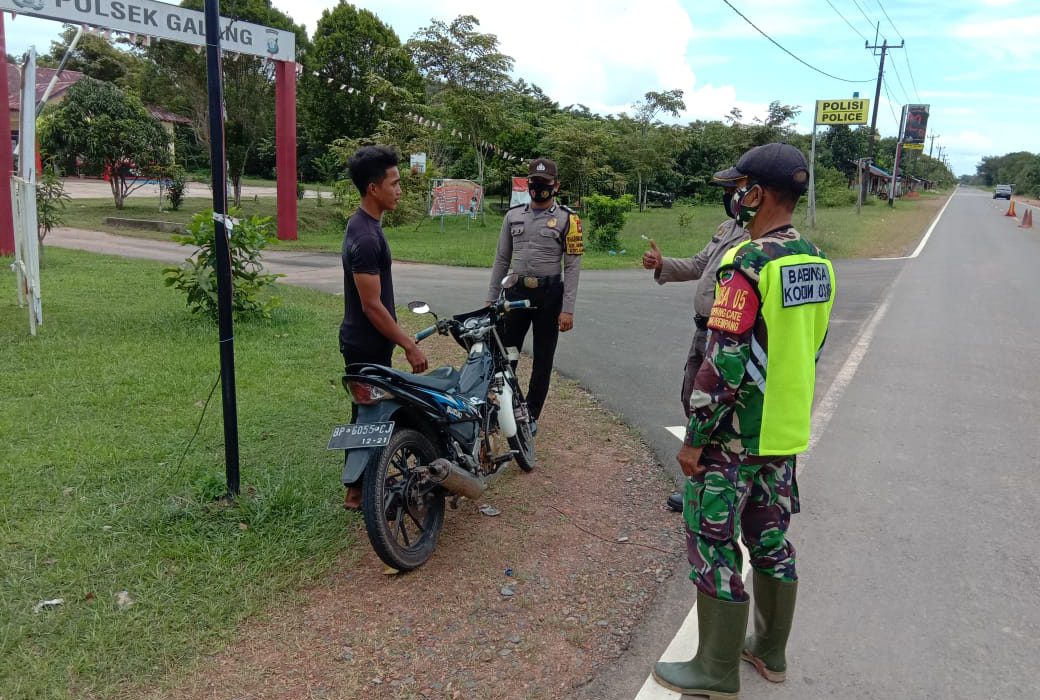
<point>510,280</point>
<point>419,307</point>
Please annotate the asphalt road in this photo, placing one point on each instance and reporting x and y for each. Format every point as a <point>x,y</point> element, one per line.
<point>917,562</point>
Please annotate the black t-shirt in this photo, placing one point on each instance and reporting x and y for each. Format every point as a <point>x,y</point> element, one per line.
<point>365,251</point>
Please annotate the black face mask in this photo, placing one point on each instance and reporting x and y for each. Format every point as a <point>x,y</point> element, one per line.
<point>727,201</point>
<point>541,193</point>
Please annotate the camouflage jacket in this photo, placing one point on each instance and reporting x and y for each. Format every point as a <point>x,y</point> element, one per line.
<point>727,403</point>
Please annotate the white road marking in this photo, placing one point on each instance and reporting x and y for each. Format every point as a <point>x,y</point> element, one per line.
<point>928,234</point>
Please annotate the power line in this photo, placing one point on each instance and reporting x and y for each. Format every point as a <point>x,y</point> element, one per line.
<point>846,21</point>
<point>892,101</point>
<point>912,81</point>
<point>906,54</point>
<point>889,19</point>
<point>900,79</point>
<point>774,42</point>
<point>869,20</point>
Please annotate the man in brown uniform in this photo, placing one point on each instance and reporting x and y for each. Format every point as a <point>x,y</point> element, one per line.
<point>535,239</point>
<point>701,267</point>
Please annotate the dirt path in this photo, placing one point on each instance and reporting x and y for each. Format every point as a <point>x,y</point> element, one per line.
<point>528,604</point>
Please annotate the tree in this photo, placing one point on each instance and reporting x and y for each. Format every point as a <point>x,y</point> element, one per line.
<point>98,58</point>
<point>651,147</point>
<point>248,85</point>
<point>105,127</point>
<point>349,47</point>
<point>579,146</point>
<point>465,72</point>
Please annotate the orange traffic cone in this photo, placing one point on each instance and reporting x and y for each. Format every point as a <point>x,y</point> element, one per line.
<point>1027,219</point>
<point>1011,209</point>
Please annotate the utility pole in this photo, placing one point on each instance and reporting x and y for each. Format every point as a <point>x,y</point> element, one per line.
<point>884,49</point>
<point>931,143</point>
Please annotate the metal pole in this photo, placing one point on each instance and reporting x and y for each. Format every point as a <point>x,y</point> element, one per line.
<point>7,246</point>
<point>218,165</point>
<point>812,179</point>
<point>873,116</point>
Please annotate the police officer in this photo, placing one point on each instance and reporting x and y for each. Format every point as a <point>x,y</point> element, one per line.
<point>751,403</point>
<point>535,239</point>
<point>700,267</point>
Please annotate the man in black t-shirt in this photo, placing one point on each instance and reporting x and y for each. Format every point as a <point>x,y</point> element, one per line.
<point>369,330</point>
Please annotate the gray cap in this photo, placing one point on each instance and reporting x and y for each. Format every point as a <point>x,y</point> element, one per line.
<point>780,165</point>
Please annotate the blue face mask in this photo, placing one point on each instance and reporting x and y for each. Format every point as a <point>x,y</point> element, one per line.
<point>742,213</point>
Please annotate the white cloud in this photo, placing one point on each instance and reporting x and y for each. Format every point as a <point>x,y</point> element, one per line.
<point>1001,38</point>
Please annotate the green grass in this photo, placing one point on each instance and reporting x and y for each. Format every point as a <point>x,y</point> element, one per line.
<point>96,413</point>
<point>841,232</point>
<point>90,214</point>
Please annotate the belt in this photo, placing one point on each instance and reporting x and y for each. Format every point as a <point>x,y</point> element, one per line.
<point>701,322</point>
<point>532,282</point>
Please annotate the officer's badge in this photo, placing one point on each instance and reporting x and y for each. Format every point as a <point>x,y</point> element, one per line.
<point>551,223</point>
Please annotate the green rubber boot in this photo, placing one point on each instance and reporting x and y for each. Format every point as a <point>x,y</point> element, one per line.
<point>774,610</point>
<point>715,670</point>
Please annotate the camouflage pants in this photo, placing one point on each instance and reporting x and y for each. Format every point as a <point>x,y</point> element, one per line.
<point>753,501</point>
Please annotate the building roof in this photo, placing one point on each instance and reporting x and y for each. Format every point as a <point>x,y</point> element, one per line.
<point>67,79</point>
<point>164,116</point>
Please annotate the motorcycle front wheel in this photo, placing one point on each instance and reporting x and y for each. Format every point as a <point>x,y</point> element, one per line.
<point>404,511</point>
<point>522,443</point>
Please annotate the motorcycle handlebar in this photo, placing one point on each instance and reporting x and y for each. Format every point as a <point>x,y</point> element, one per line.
<point>425,333</point>
<point>512,305</point>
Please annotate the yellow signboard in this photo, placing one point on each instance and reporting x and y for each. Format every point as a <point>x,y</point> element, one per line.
<point>835,112</point>
<point>913,146</point>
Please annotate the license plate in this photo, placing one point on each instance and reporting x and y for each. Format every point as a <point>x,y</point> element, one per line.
<point>350,437</point>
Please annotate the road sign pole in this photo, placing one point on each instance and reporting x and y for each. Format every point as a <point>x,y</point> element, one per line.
<point>221,232</point>
<point>812,179</point>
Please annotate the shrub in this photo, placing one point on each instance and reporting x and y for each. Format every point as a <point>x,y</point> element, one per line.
<point>832,188</point>
<point>197,277</point>
<point>50,202</point>
<point>177,186</point>
<point>606,217</point>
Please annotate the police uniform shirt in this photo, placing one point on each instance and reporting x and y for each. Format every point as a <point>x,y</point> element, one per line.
<point>533,241</point>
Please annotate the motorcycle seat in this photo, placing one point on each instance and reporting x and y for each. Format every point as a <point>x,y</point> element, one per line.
<point>440,379</point>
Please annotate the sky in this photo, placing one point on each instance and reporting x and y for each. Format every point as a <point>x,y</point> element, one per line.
<point>976,62</point>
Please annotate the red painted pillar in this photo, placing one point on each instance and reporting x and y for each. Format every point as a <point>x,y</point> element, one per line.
<point>6,154</point>
<point>285,147</point>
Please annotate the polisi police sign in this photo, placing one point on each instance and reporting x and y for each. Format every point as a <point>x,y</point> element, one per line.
<point>835,112</point>
<point>162,20</point>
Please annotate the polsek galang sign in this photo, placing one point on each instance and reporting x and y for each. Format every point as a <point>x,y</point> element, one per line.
<point>159,19</point>
<point>834,112</point>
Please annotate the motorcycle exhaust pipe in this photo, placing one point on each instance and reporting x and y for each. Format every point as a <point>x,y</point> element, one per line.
<point>455,479</point>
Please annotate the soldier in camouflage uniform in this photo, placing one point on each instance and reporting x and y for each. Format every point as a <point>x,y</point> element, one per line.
<point>751,406</point>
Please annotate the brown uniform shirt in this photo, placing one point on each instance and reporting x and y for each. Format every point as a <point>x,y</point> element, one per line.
<point>534,242</point>
<point>703,265</point>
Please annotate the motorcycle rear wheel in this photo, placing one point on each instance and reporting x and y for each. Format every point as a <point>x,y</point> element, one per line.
<point>404,512</point>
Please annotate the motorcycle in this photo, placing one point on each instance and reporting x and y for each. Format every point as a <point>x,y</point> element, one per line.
<point>422,439</point>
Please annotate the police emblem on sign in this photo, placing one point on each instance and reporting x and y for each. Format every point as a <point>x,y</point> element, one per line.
<point>807,283</point>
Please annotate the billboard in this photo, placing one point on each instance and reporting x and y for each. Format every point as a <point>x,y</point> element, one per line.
<point>456,198</point>
<point>836,112</point>
<point>915,123</point>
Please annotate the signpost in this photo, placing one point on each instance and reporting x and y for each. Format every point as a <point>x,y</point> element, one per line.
<point>913,125</point>
<point>832,113</point>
